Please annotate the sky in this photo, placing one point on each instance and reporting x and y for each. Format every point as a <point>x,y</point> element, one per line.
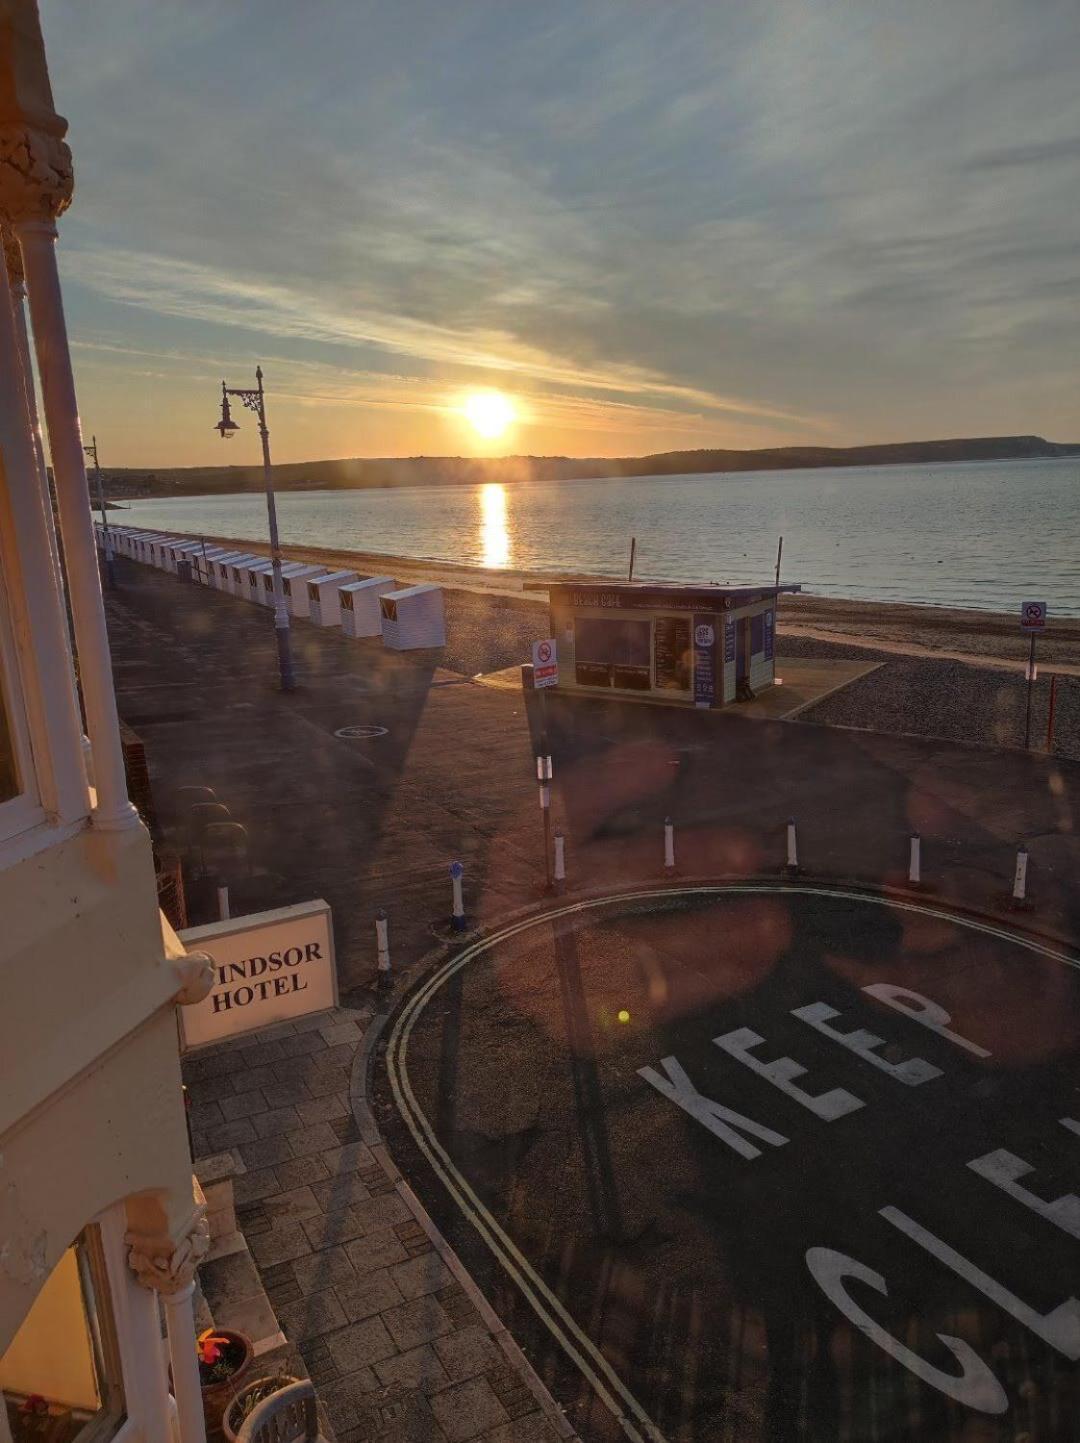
<point>649,224</point>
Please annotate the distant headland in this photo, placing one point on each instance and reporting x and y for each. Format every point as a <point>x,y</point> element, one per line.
<point>362,472</point>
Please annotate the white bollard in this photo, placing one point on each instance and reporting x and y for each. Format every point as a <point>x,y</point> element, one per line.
<point>457,871</point>
<point>792,847</point>
<point>223,903</point>
<point>382,943</point>
<point>560,859</point>
<point>543,769</point>
<point>669,845</point>
<point>1020,876</point>
<point>914,871</point>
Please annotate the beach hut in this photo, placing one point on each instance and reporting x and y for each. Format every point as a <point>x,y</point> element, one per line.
<point>360,614</point>
<point>324,604</point>
<point>413,618</point>
<point>203,561</point>
<point>253,575</point>
<point>219,571</point>
<point>288,568</point>
<point>296,596</point>
<point>237,578</point>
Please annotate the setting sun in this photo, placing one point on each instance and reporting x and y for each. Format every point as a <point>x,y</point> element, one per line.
<point>489,412</point>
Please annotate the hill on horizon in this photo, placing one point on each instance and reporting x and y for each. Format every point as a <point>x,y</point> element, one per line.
<point>375,472</point>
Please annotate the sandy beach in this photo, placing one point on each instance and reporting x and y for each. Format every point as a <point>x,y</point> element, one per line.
<point>976,638</point>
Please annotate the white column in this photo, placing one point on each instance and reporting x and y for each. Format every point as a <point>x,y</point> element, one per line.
<point>180,1325</point>
<point>50,693</point>
<point>18,297</point>
<point>114,811</point>
<point>148,1379</point>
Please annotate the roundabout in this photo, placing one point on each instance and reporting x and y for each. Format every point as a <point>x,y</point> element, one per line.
<point>761,1161</point>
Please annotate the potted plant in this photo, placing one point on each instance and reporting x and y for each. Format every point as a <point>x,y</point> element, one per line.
<point>248,1397</point>
<point>224,1357</point>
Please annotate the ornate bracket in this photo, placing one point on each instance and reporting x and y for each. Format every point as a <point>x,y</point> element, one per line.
<point>195,977</point>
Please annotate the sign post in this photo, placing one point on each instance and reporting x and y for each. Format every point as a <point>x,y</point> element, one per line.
<point>1033,621</point>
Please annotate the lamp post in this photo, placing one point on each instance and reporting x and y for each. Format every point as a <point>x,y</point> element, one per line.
<point>110,574</point>
<point>256,401</point>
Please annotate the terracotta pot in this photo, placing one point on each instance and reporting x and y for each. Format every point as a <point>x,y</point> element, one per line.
<point>216,1395</point>
<point>279,1380</point>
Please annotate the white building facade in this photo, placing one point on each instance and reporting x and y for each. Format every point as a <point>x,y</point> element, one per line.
<point>101,1225</point>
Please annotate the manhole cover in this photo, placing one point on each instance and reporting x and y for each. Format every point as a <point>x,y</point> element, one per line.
<point>353,734</point>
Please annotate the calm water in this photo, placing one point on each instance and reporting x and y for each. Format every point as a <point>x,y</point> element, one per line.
<point>978,535</point>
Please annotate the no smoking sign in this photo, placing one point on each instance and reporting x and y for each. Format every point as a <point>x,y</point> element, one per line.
<point>545,663</point>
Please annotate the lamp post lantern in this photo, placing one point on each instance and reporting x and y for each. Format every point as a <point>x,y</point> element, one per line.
<point>110,573</point>
<point>255,400</point>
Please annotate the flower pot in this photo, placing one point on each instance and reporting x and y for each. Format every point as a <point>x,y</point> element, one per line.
<point>221,1379</point>
<point>232,1419</point>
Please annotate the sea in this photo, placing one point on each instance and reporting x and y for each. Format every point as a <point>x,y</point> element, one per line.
<point>981,535</point>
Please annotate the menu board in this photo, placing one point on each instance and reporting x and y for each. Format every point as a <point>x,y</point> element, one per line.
<point>671,653</point>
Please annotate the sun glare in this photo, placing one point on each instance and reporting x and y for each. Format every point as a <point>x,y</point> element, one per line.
<point>489,413</point>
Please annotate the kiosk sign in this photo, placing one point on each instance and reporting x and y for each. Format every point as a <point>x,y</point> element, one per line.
<point>545,663</point>
<point>1033,616</point>
<point>704,661</point>
<point>268,967</point>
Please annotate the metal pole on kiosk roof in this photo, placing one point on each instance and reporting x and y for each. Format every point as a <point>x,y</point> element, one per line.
<point>1030,685</point>
<point>779,554</point>
<point>633,548</point>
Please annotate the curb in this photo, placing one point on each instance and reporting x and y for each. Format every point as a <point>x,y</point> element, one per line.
<point>372,1137</point>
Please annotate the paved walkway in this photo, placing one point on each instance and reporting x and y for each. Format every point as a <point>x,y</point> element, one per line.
<point>369,824</point>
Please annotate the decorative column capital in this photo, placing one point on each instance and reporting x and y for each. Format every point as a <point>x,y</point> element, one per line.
<point>195,975</point>
<point>36,176</point>
<point>168,1264</point>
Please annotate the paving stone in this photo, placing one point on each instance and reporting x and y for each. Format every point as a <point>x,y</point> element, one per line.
<point>420,1321</point>
<point>311,1316</point>
<point>230,1134</point>
<point>422,1275</point>
<point>464,1410</point>
<point>360,1345</point>
<point>322,1270</point>
<point>533,1428</point>
<point>466,1352</point>
<point>364,1296</point>
<point>249,1187</point>
<point>265,1152</point>
<point>380,1212</point>
<point>283,1094</point>
<point>333,1079</point>
<point>278,1120</point>
<point>252,1077</point>
<point>403,1417</point>
<point>348,1401</point>
<point>300,1044</point>
<point>300,1171</point>
<point>243,1104</point>
<point>329,1229</point>
<point>311,1139</point>
<point>418,1368</point>
<point>376,1250</point>
<point>321,1109</point>
<point>291,1206</point>
<point>338,1192</point>
<point>337,1032</point>
<point>206,1115</point>
<point>348,1158</point>
<point>280,1244</point>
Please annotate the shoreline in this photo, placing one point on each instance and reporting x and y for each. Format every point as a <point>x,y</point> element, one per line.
<point>977,638</point>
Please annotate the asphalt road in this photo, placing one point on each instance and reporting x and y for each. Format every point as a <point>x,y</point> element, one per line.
<point>739,1219</point>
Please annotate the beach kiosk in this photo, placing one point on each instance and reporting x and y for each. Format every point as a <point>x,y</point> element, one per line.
<point>360,614</point>
<point>702,646</point>
<point>413,618</point>
<point>324,604</point>
<point>295,585</point>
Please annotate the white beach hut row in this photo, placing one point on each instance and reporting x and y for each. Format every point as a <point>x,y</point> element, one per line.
<point>406,618</point>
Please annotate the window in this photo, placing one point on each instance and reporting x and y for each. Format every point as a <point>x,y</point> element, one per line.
<point>612,653</point>
<point>61,1375</point>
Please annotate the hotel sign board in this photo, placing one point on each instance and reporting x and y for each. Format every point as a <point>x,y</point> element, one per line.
<point>269,967</point>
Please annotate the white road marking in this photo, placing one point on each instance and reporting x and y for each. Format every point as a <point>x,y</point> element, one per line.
<point>592,1364</point>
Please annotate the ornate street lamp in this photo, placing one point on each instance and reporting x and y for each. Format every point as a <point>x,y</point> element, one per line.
<point>110,573</point>
<point>256,401</point>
